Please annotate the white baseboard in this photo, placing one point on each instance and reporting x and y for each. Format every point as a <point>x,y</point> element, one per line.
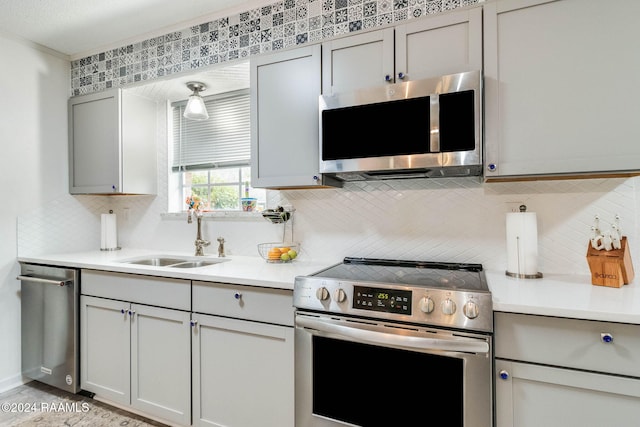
<point>13,382</point>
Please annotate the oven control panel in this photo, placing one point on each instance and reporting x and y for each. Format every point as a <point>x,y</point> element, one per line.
<point>437,307</point>
<point>386,300</point>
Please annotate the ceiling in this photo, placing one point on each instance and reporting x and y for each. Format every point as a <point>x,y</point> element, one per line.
<point>81,27</point>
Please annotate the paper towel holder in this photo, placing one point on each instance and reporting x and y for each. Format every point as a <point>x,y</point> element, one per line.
<point>538,275</point>
<point>116,248</point>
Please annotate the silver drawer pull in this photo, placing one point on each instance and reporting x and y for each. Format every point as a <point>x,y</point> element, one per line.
<point>41,280</point>
<point>606,337</point>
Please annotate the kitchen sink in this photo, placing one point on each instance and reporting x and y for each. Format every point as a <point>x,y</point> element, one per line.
<point>157,262</point>
<point>194,264</point>
<point>175,262</point>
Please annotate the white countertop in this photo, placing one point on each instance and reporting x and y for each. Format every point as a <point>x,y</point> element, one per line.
<point>565,296</point>
<point>554,295</point>
<point>242,270</point>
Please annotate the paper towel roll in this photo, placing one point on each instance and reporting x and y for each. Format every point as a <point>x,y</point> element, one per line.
<point>522,245</point>
<point>109,240</point>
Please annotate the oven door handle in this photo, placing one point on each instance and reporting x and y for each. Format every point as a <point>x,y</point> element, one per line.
<point>456,344</point>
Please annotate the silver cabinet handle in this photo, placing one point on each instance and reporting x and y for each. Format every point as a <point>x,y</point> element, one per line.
<point>237,295</point>
<point>504,375</point>
<point>194,323</point>
<point>42,280</point>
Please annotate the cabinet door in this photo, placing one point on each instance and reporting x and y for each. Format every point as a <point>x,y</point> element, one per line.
<point>242,373</point>
<point>161,362</point>
<point>558,95</point>
<point>443,44</point>
<point>285,88</point>
<point>105,348</point>
<point>536,395</point>
<point>357,62</point>
<point>94,143</point>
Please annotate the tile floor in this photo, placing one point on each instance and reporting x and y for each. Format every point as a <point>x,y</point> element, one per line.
<point>39,405</point>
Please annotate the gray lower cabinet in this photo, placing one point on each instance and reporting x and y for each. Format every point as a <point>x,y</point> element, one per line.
<point>188,353</point>
<point>135,355</point>
<point>566,372</point>
<point>105,336</point>
<point>242,356</point>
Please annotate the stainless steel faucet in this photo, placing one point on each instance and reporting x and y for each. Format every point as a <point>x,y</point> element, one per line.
<point>200,243</point>
<point>221,247</point>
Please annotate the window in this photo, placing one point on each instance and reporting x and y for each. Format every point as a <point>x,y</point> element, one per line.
<point>211,158</point>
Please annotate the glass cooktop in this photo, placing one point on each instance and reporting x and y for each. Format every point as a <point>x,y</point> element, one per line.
<point>454,276</point>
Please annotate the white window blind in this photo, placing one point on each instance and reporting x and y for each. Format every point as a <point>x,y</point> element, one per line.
<point>224,140</point>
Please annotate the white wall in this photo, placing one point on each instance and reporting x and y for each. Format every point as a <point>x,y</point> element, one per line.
<point>34,86</point>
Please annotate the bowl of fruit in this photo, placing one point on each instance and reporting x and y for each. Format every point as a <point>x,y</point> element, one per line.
<point>279,252</point>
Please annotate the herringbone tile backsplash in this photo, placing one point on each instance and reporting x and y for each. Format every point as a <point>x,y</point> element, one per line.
<point>453,219</point>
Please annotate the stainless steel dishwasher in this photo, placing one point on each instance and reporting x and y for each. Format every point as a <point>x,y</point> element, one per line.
<point>50,330</point>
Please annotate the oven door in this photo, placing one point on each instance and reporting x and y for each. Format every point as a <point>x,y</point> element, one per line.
<point>360,372</point>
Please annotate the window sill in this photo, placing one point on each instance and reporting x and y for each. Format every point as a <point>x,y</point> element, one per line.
<point>216,216</point>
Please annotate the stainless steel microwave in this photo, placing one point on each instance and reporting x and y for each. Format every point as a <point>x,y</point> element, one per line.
<point>417,129</point>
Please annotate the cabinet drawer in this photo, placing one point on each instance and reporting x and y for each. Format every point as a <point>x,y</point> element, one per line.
<point>570,343</point>
<point>158,291</point>
<point>244,302</point>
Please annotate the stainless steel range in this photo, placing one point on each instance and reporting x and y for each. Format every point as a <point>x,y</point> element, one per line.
<point>394,343</point>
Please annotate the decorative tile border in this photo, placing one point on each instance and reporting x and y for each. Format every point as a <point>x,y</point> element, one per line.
<point>268,28</point>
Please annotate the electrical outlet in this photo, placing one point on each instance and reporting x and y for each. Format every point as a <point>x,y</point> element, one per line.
<point>513,206</point>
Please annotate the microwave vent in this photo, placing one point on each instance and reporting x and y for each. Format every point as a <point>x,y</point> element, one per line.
<point>442,172</point>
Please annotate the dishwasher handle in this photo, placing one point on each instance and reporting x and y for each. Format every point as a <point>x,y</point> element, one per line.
<point>457,344</point>
<point>43,280</point>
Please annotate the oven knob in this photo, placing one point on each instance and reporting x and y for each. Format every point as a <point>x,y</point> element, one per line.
<point>426,305</point>
<point>322,293</point>
<point>470,310</point>
<point>339,295</point>
<point>448,307</point>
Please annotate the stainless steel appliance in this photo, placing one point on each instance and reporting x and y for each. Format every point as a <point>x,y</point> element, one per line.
<point>394,343</point>
<point>50,330</point>
<point>416,129</point>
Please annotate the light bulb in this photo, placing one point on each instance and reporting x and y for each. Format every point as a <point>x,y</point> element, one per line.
<point>196,110</point>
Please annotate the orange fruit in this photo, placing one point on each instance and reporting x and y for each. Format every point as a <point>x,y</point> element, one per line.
<point>274,253</point>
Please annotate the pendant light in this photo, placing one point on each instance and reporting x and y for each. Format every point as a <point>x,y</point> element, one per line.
<point>196,110</point>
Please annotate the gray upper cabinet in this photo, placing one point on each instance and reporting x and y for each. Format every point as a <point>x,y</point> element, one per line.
<point>432,46</point>
<point>358,61</point>
<point>285,90</point>
<point>561,88</point>
<point>443,44</point>
<point>112,146</point>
